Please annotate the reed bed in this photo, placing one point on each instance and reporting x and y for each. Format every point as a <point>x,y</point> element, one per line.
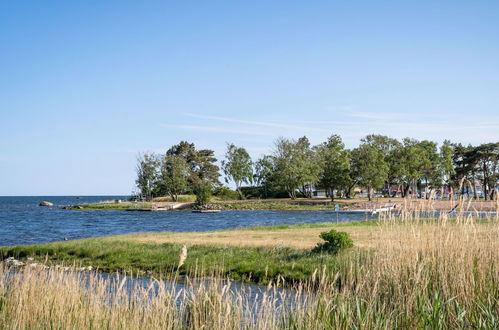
<point>431,273</point>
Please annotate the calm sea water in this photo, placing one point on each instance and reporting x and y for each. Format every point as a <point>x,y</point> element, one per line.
<point>22,221</point>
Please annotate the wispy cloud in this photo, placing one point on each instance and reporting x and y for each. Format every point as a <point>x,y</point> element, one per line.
<point>274,124</point>
<point>219,129</point>
<point>138,151</point>
<point>348,122</point>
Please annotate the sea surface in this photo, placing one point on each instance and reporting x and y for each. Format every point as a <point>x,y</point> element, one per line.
<point>22,221</point>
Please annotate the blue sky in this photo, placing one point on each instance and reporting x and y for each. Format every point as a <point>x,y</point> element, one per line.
<point>86,85</point>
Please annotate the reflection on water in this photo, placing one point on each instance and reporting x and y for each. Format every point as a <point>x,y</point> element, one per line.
<point>184,287</point>
<point>117,289</point>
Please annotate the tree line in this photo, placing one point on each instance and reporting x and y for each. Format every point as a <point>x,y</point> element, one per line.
<point>295,167</point>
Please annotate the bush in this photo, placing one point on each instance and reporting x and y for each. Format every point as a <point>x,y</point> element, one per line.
<point>252,192</point>
<point>203,193</point>
<point>226,194</point>
<point>335,242</point>
<point>263,192</point>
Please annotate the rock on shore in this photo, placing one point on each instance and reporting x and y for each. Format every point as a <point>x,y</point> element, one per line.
<point>12,262</point>
<point>45,203</point>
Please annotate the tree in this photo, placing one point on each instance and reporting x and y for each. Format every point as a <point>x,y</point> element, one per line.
<point>237,166</point>
<point>383,143</point>
<point>477,164</point>
<point>431,170</point>
<point>203,191</point>
<point>464,168</point>
<point>411,158</point>
<point>204,175</point>
<point>485,157</point>
<point>188,152</point>
<point>368,167</point>
<point>202,171</point>
<point>147,174</point>
<point>446,163</point>
<point>335,163</point>
<point>263,174</point>
<point>391,150</point>
<point>296,165</point>
<point>205,169</point>
<point>174,175</point>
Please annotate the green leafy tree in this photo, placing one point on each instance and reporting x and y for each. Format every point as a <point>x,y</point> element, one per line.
<point>412,161</point>
<point>484,160</point>
<point>335,163</point>
<point>205,175</point>
<point>188,152</point>
<point>421,163</point>
<point>263,175</point>
<point>206,170</point>
<point>174,175</point>
<point>296,166</point>
<point>383,143</point>
<point>446,162</point>
<point>368,167</point>
<point>465,168</point>
<point>237,166</point>
<point>431,170</point>
<point>200,163</point>
<point>147,174</point>
<point>391,149</point>
<point>203,191</point>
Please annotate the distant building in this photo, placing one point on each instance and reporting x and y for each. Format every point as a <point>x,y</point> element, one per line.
<point>319,193</point>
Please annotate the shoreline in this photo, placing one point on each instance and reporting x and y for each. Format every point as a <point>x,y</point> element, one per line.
<point>356,204</point>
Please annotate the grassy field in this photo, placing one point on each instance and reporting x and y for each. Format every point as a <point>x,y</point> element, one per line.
<point>402,273</point>
<point>260,254</point>
<point>301,236</point>
<point>256,254</point>
<point>109,205</point>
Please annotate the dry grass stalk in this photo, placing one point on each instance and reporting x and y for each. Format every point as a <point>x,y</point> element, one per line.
<point>182,256</point>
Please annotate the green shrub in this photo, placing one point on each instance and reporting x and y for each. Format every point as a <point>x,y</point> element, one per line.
<point>263,192</point>
<point>253,192</point>
<point>226,194</point>
<point>335,241</point>
<point>203,193</point>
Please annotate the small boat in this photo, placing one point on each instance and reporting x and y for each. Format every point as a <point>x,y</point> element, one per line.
<point>384,209</point>
<point>206,211</point>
